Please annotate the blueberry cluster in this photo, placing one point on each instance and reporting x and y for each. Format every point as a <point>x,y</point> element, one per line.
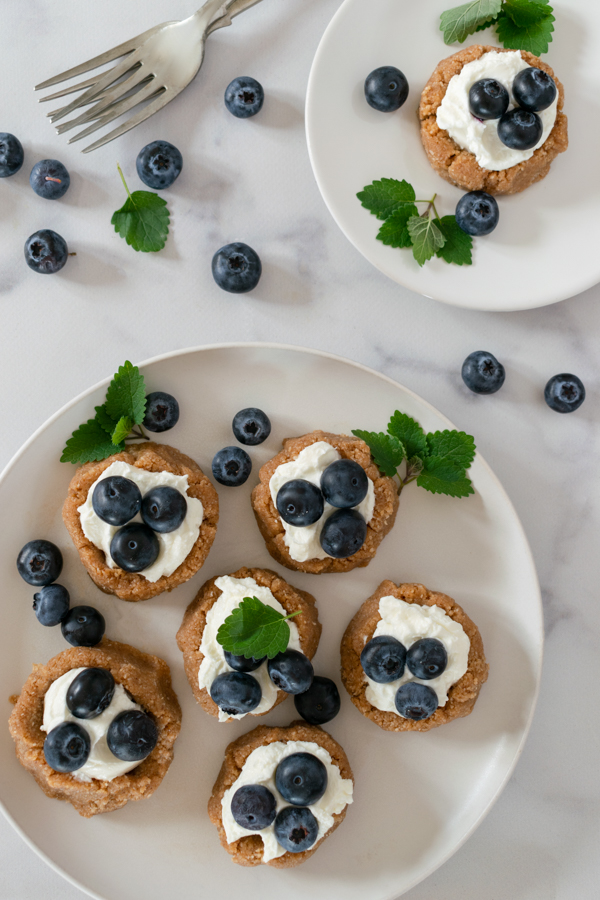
<point>231,466</point>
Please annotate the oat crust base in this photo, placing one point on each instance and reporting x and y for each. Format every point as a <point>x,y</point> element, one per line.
<point>153,458</point>
<point>148,680</point>
<point>460,167</point>
<point>248,850</point>
<point>270,525</point>
<point>461,696</point>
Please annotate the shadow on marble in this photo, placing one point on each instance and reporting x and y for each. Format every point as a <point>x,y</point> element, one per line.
<point>281,287</point>
<point>87,268</point>
<point>281,111</point>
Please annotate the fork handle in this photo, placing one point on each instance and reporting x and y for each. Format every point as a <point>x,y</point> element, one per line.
<point>237,7</point>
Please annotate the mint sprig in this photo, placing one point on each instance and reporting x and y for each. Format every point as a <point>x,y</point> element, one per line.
<point>520,24</point>
<point>143,220</point>
<point>255,630</point>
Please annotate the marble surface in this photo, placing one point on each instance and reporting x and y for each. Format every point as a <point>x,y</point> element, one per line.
<point>251,181</point>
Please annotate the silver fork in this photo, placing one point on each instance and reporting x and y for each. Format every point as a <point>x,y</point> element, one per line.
<point>158,65</point>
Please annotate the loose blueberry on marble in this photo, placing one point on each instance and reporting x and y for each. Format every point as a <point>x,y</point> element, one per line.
<point>236,693</point>
<point>343,533</point>
<point>51,604</point>
<point>386,89</point>
<point>482,373</point>
<point>39,563</point>
<point>83,626</point>
<point>344,483</point>
<point>320,703</point>
<point>244,97</point>
<point>301,779</point>
<point>519,129</point>
<point>116,500</point>
<point>11,154</point>
<point>254,807</point>
<point>296,828</point>
<point>477,213</point>
<point>231,466</point>
<point>162,411</point>
<point>50,179</point>
<point>67,747</point>
<point>383,659</point>
<point>427,658</point>
<point>46,252</point>
<point>158,164</point>
<point>534,90</point>
<point>241,664</point>
<point>416,701</point>
<point>300,503</point>
<point>488,99</point>
<point>132,735</point>
<point>564,393</point>
<point>291,671</point>
<point>90,693</point>
<point>164,509</point>
<point>134,547</point>
<point>251,426</point>
<point>236,268</point>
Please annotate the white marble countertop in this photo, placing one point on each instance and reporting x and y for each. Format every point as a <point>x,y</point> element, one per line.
<point>251,181</point>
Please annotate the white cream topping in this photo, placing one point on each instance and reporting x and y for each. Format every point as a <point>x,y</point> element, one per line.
<point>260,768</point>
<point>481,138</point>
<point>303,542</point>
<point>101,763</point>
<point>233,592</point>
<point>409,622</point>
<point>174,546</point>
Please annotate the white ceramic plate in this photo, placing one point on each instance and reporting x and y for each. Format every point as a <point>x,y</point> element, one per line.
<point>545,247</point>
<point>417,796</point>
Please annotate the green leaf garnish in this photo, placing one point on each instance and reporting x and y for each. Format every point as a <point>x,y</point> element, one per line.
<point>387,451</point>
<point>535,37</point>
<point>458,23</point>
<point>426,236</point>
<point>126,394</point>
<point>89,443</point>
<point>143,220</point>
<point>122,429</point>
<point>409,433</point>
<point>102,418</point>
<point>520,24</point>
<point>384,197</point>
<point>393,232</point>
<point>255,630</point>
<point>459,244</point>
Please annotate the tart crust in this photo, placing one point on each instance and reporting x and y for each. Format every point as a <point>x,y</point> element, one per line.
<point>461,696</point>
<point>189,636</point>
<point>271,527</point>
<point>459,166</point>
<point>153,458</point>
<point>148,680</point>
<point>248,850</point>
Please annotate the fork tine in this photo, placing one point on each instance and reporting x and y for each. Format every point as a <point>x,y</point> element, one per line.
<point>161,100</point>
<point>118,109</point>
<point>104,81</point>
<point>70,90</point>
<point>102,103</point>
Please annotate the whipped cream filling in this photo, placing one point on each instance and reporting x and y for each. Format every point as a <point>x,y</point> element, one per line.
<point>101,763</point>
<point>260,768</point>
<point>233,592</point>
<point>303,542</point>
<point>409,622</point>
<point>174,546</point>
<point>481,138</point>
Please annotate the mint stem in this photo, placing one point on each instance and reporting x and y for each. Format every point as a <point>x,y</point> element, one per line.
<point>123,180</point>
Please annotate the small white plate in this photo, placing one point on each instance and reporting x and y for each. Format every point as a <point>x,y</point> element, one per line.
<point>418,796</point>
<point>545,248</point>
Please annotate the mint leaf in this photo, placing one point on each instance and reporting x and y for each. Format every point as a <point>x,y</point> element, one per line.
<point>126,395</point>
<point>89,443</point>
<point>143,220</point>
<point>393,232</point>
<point>104,420</point>
<point>527,12</point>
<point>426,237</point>
<point>384,197</point>
<point>459,244</point>
<point>449,449</point>
<point>255,630</point>
<point>458,23</point>
<point>459,487</point>
<point>409,433</point>
<point>122,429</point>
<point>534,38</point>
<point>386,450</point>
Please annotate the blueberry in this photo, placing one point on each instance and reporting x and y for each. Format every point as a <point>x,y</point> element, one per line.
<point>90,693</point>
<point>301,779</point>
<point>344,483</point>
<point>254,807</point>
<point>343,533</point>
<point>134,547</point>
<point>416,701</point>
<point>320,703</point>
<point>83,626</point>
<point>564,393</point>
<point>386,89</point>
<point>296,828</point>
<point>241,664</point>
<point>482,373</point>
<point>300,503</point>
<point>162,411</point>
<point>164,509</point>
<point>236,692</point>
<point>46,252</point>
<point>244,97</point>
<point>49,179</point>
<point>39,562</point>
<point>291,671</point>
<point>158,164</point>
<point>236,268</point>
<point>534,90</point>
<point>427,658</point>
<point>116,500</point>
<point>488,99</point>
<point>251,426</point>
<point>132,735</point>
<point>11,154</point>
<point>477,213</point>
<point>383,659</point>
<point>519,129</point>
<point>231,466</point>
<point>51,604</point>
<point>67,747</point>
